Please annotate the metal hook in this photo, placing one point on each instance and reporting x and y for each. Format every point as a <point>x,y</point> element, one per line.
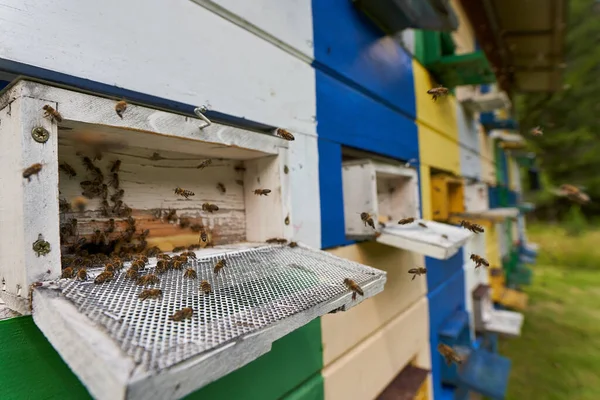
<point>199,111</point>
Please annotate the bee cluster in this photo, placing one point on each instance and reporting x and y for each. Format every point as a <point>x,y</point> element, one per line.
<point>99,245</point>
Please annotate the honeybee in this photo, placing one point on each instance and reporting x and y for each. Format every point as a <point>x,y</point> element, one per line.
<point>34,169</point>
<point>104,277</point>
<point>203,235</point>
<point>68,272</point>
<point>472,226</point>
<point>178,249</point>
<point>64,206</point>
<point>89,165</point>
<point>132,273</point>
<point>277,240</point>
<point>120,108</point>
<point>220,265</point>
<point>150,294</point>
<point>182,314</point>
<point>99,237</point>
<point>196,227</point>
<point>177,264</point>
<point>117,196</point>
<point>205,287</point>
<point>293,244</point>
<point>262,192</point>
<point>210,207</point>
<point>79,203</point>
<point>149,279</point>
<point>153,251</point>
<point>282,133</point>
<point>422,225</point>
<point>445,237</point>
<point>221,188</point>
<point>67,169</point>
<point>162,266</point>
<point>479,261</point>
<point>449,354</point>
<point>163,257</point>
<point>52,114</point>
<point>405,221</point>
<point>190,273</point>
<point>353,286</point>
<point>116,165</point>
<point>137,265</point>
<point>240,168</point>
<point>109,267</point>
<point>367,219</point>
<point>537,131</point>
<point>287,220</point>
<point>204,164</point>
<point>111,226</point>
<point>417,271</point>
<point>114,182</point>
<point>189,254</point>
<point>193,247</point>
<point>286,169</point>
<point>439,91</point>
<point>239,182</point>
<point>82,274</point>
<point>171,215</point>
<point>184,193</point>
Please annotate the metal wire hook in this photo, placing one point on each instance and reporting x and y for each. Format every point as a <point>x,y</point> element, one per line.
<point>199,111</point>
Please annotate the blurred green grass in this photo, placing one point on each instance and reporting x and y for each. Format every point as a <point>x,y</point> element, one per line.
<point>558,355</point>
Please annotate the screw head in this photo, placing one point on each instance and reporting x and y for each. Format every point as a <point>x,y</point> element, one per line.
<point>40,134</point>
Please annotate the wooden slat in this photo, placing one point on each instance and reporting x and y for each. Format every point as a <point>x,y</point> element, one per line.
<point>406,385</point>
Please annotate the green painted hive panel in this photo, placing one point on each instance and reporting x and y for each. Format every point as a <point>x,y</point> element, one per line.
<point>464,69</point>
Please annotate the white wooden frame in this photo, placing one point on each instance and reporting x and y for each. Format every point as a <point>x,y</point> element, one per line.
<point>488,319</point>
<point>492,214</point>
<point>31,208</point>
<point>487,102</point>
<point>362,193</point>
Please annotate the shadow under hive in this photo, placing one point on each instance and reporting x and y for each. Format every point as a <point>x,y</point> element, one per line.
<point>256,288</point>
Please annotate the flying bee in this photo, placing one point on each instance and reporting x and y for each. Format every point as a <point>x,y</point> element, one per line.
<point>293,244</point>
<point>52,114</point>
<point>353,286</point>
<point>34,169</point>
<point>262,192</point>
<point>210,207</point>
<point>277,240</point>
<point>219,265</point>
<point>178,249</point>
<point>479,261</point>
<point>367,219</point>
<point>182,314</point>
<point>471,226</point>
<point>150,294</point>
<point>449,354</point>
<point>171,215</point>
<point>204,164</point>
<point>79,203</point>
<point>439,91</point>
<point>114,182</point>
<point>149,279</point>
<point>203,235</point>
<point>67,169</point>
<point>537,131</point>
<point>417,271</point>
<point>104,277</point>
<point>82,274</point>
<point>422,225</point>
<point>68,272</point>
<point>282,133</point>
<point>190,273</point>
<point>405,221</point>
<point>184,193</point>
<point>120,108</point>
<point>205,287</point>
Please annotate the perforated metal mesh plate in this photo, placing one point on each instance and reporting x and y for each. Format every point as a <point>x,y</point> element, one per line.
<point>257,288</point>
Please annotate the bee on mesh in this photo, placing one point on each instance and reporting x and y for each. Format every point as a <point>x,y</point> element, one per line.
<point>182,314</point>
<point>353,286</point>
<point>149,279</point>
<point>67,273</point>
<point>190,273</point>
<point>105,276</point>
<point>150,294</point>
<point>220,265</point>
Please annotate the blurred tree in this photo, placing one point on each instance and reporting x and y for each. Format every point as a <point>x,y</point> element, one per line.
<point>569,150</point>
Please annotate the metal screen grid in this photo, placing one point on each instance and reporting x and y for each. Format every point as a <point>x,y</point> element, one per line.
<point>256,288</point>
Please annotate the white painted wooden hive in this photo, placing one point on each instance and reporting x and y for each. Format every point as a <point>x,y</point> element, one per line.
<point>119,346</point>
<point>122,347</point>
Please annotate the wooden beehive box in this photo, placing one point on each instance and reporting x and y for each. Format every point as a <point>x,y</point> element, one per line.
<point>80,210</point>
<point>447,196</point>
